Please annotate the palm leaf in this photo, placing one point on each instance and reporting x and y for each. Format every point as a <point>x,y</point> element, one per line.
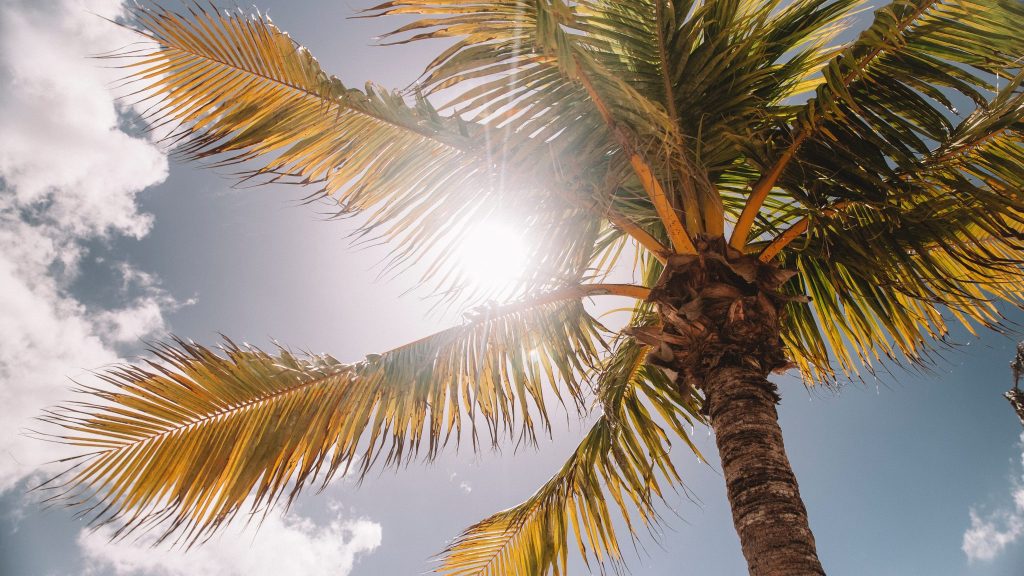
<point>901,216</point>
<point>720,69</point>
<point>885,285</point>
<point>184,442</point>
<point>660,68</point>
<point>526,62</point>
<point>890,98</point>
<point>620,460</point>
<point>236,90</point>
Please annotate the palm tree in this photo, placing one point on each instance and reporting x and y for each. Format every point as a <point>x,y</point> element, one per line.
<point>786,201</point>
<point>1015,395</point>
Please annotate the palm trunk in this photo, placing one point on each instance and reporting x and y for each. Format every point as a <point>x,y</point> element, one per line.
<point>720,334</point>
<point>767,511</point>
<point>1016,398</point>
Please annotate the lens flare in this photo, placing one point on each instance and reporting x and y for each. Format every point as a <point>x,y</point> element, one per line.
<point>492,257</point>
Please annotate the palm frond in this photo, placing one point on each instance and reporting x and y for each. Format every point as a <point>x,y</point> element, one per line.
<point>890,98</point>
<point>523,64</point>
<point>885,284</point>
<point>662,68</point>
<point>624,459</point>
<point>180,443</point>
<point>237,88</point>
<point>183,442</point>
<point>903,178</point>
<point>720,69</point>
<point>238,91</point>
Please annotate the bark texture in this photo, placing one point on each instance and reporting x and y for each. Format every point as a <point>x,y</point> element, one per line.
<point>1016,398</point>
<point>1016,395</point>
<point>720,335</point>
<point>767,510</point>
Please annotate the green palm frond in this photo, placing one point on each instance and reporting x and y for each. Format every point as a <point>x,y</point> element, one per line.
<point>889,280</point>
<point>883,284</point>
<point>688,83</point>
<point>720,69</point>
<point>904,179</point>
<point>985,148</point>
<point>891,98</point>
<point>624,459</point>
<point>181,444</point>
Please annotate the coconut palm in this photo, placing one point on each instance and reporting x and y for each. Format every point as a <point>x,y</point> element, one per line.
<point>786,200</point>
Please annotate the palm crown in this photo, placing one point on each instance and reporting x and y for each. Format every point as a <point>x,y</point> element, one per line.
<point>857,197</point>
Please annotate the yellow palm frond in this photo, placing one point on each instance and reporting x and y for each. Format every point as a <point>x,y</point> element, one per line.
<point>236,90</point>
<point>623,460</point>
<point>182,443</point>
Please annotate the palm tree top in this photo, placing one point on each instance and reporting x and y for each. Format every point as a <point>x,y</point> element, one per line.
<point>884,173</point>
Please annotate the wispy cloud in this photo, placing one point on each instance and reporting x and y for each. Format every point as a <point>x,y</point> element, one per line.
<point>463,484</point>
<point>284,546</point>
<point>69,174</point>
<point>991,533</point>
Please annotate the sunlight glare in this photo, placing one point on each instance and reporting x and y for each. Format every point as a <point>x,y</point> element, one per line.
<point>492,257</point>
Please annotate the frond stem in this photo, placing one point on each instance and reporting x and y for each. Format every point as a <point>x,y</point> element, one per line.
<point>953,152</point>
<point>784,239</point>
<point>659,250</point>
<point>759,193</point>
<point>794,232</point>
<point>574,292</point>
<point>673,225</point>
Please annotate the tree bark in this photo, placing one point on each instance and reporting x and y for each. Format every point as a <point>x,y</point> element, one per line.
<point>720,334</point>
<point>769,516</point>
<point>1016,398</point>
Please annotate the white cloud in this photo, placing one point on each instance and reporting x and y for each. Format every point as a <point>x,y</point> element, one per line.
<point>68,174</point>
<point>988,536</point>
<point>62,147</point>
<point>128,325</point>
<point>463,485</point>
<point>283,546</point>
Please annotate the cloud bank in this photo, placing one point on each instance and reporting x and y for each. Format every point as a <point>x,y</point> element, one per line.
<point>990,534</point>
<point>284,546</point>
<point>69,174</point>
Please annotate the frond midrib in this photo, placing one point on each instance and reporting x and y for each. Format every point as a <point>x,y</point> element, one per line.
<point>228,411</point>
<point>331,101</point>
<point>957,151</point>
<point>864,62</point>
<point>670,99</point>
<point>510,534</point>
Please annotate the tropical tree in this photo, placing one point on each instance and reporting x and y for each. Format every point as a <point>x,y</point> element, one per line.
<point>786,201</point>
<point>1015,395</point>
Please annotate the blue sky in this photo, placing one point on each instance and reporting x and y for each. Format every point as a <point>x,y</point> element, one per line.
<point>104,241</point>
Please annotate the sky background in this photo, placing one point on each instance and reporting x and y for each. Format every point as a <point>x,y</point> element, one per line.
<point>104,242</point>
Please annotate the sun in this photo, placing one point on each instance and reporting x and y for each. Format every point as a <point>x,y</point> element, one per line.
<point>492,256</point>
